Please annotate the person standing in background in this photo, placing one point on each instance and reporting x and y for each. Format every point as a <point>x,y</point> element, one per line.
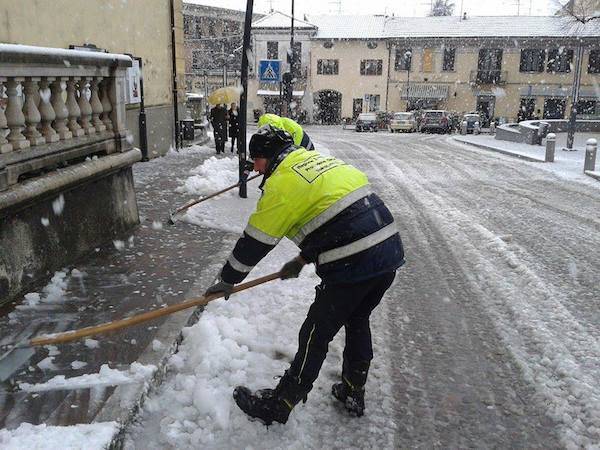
<point>218,120</point>
<point>234,125</point>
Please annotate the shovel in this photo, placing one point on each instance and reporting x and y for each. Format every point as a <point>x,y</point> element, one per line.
<point>73,335</point>
<point>172,215</point>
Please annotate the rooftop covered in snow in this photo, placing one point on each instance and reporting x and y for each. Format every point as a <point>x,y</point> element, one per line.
<point>382,27</point>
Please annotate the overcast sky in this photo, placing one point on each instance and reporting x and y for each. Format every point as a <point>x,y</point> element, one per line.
<point>396,7</point>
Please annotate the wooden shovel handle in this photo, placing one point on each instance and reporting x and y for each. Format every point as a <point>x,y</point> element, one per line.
<point>73,335</point>
<point>214,194</point>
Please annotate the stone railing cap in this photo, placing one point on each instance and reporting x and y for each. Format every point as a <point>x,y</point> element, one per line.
<point>27,54</point>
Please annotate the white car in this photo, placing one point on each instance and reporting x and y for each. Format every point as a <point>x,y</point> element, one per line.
<point>403,121</point>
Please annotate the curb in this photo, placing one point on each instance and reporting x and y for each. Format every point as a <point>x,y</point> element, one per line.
<point>593,174</point>
<point>499,150</point>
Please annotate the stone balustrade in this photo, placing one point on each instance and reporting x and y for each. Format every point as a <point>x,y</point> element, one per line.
<point>58,106</point>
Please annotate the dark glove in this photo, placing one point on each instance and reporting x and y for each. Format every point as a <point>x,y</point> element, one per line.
<point>292,269</point>
<point>220,286</point>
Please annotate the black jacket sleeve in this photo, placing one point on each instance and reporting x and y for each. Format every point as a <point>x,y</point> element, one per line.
<point>245,255</point>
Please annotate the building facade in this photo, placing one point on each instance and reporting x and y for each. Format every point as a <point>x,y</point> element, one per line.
<point>141,28</point>
<point>506,68</point>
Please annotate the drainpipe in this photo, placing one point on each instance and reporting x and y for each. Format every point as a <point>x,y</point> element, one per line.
<point>174,69</point>
<point>387,81</point>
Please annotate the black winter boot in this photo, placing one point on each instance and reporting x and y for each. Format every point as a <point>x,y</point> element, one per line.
<point>351,391</point>
<point>270,405</point>
<point>353,398</point>
<point>263,405</point>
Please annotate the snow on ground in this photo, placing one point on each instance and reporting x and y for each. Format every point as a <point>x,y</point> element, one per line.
<point>567,164</point>
<point>247,341</point>
<point>43,437</point>
<point>105,377</point>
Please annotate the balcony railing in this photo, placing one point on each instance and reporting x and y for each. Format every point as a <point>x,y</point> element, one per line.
<point>58,106</point>
<point>488,76</point>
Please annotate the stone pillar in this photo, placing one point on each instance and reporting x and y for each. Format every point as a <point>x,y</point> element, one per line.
<point>591,146</point>
<point>96,105</point>
<point>106,105</point>
<point>73,107</point>
<point>116,92</point>
<point>550,147</point>
<point>60,109</point>
<point>46,111</point>
<point>5,146</point>
<point>85,107</point>
<point>31,112</point>
<point>14,115</point>
<point>463,127</point>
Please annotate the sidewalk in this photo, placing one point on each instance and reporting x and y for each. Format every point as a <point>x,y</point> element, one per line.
<point>155,265</point>
<point>567,164</point>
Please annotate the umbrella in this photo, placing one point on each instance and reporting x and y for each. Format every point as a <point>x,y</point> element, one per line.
<point>225,95</point>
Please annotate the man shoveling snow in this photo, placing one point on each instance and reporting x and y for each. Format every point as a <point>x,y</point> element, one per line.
<point>327,208</point>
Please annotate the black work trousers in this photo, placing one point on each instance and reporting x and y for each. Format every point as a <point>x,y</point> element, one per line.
<point>349,305</point>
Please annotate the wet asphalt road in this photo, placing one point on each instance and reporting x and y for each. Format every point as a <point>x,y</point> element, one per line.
<point>500,278</point>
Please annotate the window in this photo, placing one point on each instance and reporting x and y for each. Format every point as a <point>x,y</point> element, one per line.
<point>272,50</point>
<point>327,66</point>
<point>532,60</point>
<point>297,55</point>
<point>554,108</point>
<point>594,62</point>
<point>403,59</point>
<point>328,44</point>
<point>448,63</point>
<point>197,59</point>
<point>587,108</point>
<point>427,60</point>
<point>372,45</point>
<point>188,24</point>
<point>371,67</point>
<point>560,59</point>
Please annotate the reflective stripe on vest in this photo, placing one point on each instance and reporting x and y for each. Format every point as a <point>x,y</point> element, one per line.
<point>240,267</point>
<point>330,213</point>
<point>359,245</point>
<point>261,236</point>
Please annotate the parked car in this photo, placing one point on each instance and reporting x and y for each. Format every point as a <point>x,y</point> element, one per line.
<point>403,121</point>
<point>471,118</point>
<point>366,122</point>
<point>435,120</point>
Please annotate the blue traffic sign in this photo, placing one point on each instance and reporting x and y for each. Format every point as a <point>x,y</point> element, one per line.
<point>269,70</point>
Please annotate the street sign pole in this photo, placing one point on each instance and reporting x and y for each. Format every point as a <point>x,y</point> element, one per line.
<point>244,99</point>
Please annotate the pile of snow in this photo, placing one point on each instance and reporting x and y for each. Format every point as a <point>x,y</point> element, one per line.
<point>53,292</point>
<point>212,175</point>
<point>105,377</point>
<point>75,437</point>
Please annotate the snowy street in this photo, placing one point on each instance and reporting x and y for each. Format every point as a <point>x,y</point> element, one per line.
<point>487,339</point>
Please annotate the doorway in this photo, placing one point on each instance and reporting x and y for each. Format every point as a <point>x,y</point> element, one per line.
<point>328,107</point>
<point>526,109</point>
<point>485,108</point>
<point>357,107</point>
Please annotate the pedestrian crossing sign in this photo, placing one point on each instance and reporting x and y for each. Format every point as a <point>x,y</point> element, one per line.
<point>269,70</point>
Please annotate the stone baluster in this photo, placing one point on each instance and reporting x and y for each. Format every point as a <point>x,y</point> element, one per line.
<point>85,107</point>
<point>60,109</point>
<point>46,111</point>
<point>14,115</point>
<point>31,112</point>
<point>116,92</point>
<point>106,105</point>
<point>96,105</point>
<point>5,146</point>
<point>73,107</point>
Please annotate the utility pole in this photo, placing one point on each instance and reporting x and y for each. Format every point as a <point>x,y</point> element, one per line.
<point>288,85</point>
<point>244,98</point>
<point>575,95</point>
